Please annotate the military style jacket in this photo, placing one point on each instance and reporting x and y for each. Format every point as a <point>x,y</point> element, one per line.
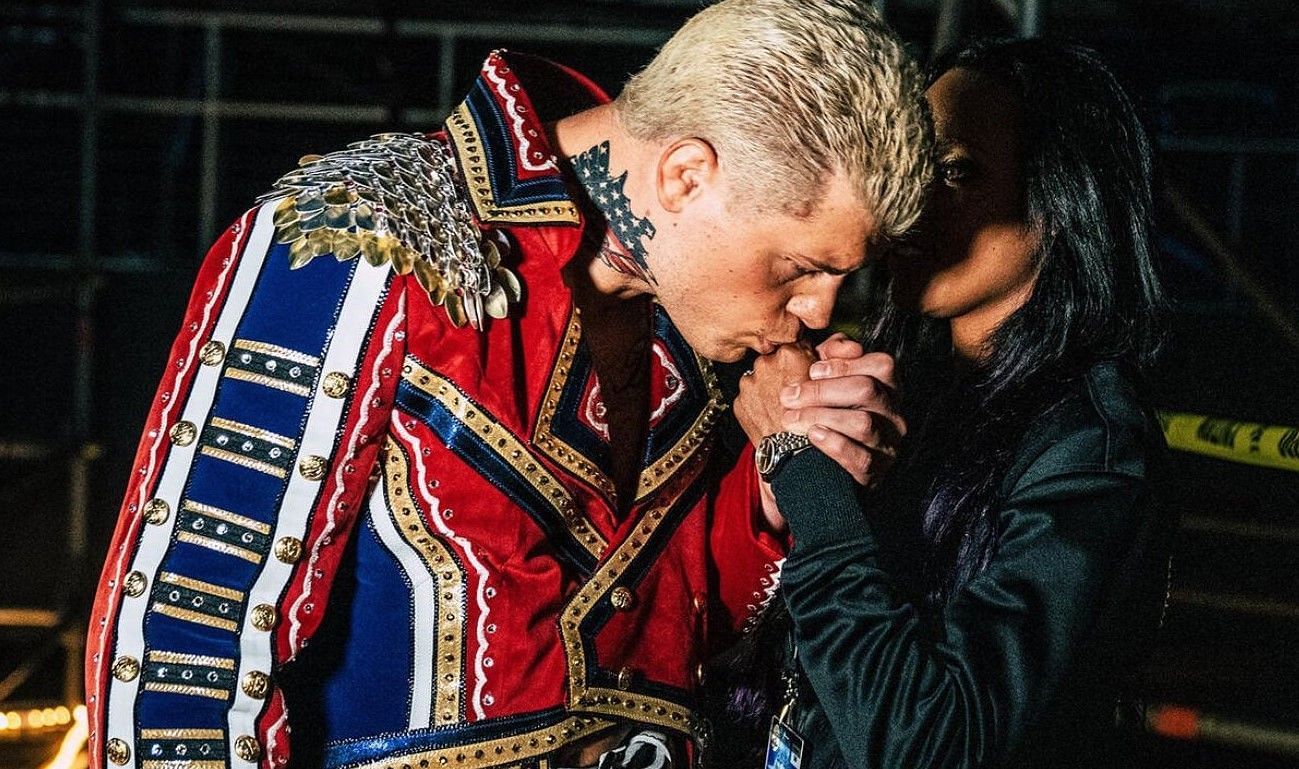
<point>380,415</point>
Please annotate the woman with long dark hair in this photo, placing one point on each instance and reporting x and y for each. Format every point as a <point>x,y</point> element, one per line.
<point>983,603</point>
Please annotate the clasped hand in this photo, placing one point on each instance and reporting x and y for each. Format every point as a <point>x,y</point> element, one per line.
<point>839,396</point>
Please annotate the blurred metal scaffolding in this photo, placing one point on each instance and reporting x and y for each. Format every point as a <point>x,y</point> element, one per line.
<point>91,102</point>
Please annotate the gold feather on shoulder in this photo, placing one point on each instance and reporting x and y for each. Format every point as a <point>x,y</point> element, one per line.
<point>392,199</point>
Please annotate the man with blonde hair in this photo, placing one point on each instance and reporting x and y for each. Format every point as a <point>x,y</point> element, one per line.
<point>442,406</point>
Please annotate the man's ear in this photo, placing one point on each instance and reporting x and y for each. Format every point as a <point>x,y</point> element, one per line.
<point>687,168</point>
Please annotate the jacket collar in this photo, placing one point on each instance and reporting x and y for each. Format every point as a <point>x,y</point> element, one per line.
<point>500,142</point>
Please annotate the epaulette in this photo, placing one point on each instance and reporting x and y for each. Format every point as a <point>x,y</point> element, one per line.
<point>393,199</point>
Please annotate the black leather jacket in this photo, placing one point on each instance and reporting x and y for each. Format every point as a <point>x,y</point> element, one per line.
<point>1023,666</point>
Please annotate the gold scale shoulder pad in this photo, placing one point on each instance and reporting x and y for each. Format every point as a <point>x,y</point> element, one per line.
<point>392,199</point>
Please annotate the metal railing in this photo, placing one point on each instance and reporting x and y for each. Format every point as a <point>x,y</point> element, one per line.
<point>213,108</point>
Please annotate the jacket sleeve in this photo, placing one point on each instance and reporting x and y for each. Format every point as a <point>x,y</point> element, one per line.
<point>254,460</point>
<point>746,558</point>
<point>897,695</point>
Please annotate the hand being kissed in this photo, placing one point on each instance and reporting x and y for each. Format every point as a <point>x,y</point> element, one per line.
<point>839,396</point>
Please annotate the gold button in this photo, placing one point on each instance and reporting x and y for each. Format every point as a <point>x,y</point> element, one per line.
<point>156,511</point>
<point>700,674</point>
<point>247,748</point>
<point>313,467</point>
<point>622,598</point>
<point>336,384</point>
<point>624,678</point>
<point>263,616</point>
<point>288,549</point>
<point>257,684</point>
<point>134,584</point>
<point>183,433</point>
<point>126,668</point>
<point>212,353</point>
<point>117,751</point>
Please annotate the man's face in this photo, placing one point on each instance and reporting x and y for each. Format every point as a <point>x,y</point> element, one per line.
<point>734,280</point>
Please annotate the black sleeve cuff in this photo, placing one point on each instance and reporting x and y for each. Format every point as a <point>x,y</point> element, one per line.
<point>819,500</point>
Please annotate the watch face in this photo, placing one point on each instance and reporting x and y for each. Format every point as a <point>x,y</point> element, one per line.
<point>764,458</point>
<point>774,449</point>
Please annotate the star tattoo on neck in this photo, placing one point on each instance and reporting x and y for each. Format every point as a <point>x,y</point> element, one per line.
<point>621,247</point>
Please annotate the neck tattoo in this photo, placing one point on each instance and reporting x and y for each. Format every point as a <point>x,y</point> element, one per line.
<point>620,247</point>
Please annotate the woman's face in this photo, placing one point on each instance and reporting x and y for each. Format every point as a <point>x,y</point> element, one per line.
<point>972,261</point>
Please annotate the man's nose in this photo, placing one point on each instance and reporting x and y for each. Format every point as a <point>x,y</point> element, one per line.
<point>815,305</point>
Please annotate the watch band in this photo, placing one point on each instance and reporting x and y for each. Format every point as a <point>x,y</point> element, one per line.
<point>774,450</point>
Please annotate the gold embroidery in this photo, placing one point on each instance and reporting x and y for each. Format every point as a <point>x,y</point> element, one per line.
<point>243,461</point>
<point>472,160</point>
<point>183,764</point>
<point>253,432</point>
<point>225,515</point>
<point>194,691</point>
<point>268,381</point>
<point>503,751</point>
<point>279,352</point>
<point>614,702</point>
<point>197,618</point>
<point>639,707</point>
<point>448,577</point>
<point>182,734</point>
<point>509,448</point>
<point>653,477</point>
<point>201,586</point>
<point>567,457</point>
<point>177,658</point>
<point>219,546</point>
<point>189,615</point>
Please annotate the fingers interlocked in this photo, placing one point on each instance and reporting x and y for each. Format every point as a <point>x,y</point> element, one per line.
<point>846,408</point>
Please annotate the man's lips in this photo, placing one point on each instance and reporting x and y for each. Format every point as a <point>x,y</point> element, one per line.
<point>767,346</point>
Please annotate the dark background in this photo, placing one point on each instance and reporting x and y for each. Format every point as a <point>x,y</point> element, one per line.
<point>131,132</point>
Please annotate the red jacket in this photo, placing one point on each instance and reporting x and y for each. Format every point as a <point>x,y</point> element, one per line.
<point>328,446</point>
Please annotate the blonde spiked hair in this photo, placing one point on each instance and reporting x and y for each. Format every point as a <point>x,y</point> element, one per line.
<point>790,93</point>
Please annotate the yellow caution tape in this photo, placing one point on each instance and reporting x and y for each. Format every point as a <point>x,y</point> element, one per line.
<point>1245,442</point>
<point>1184,723</point>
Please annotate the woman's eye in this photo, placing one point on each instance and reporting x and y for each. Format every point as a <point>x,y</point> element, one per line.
<point>955,170</point>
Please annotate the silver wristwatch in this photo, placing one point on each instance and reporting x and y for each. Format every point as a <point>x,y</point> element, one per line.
<point>775,449</point>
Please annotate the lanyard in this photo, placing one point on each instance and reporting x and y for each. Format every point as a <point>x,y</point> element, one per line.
<point>790,678</point>
<point>785,746</point>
